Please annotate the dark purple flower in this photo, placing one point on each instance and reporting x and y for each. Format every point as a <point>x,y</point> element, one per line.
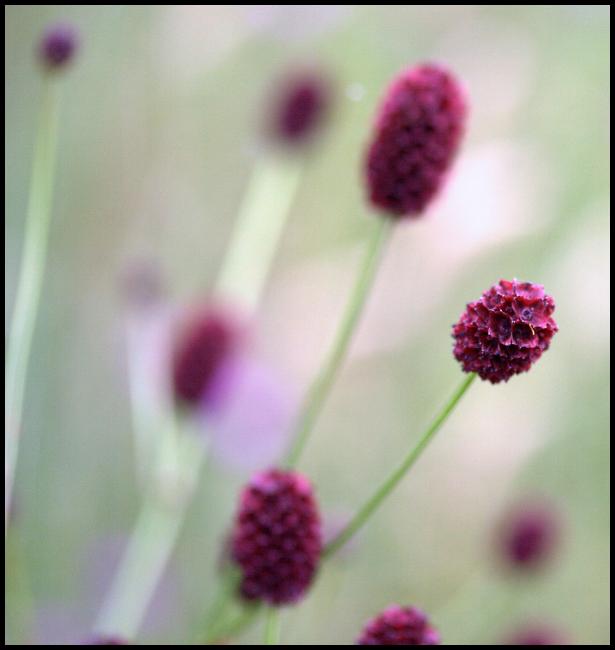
<point>300,107</point>
<point>417,133</point>
<point>277,537</point>
<point>57,46</point>
<point>536,634</point>
<point>529,536</point>
<point>105,641</point>
<point>205,343</point>
<point>398,625</point>
<point>505,331</point>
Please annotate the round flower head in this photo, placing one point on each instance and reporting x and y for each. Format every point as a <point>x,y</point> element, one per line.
<point>535,634</point>
<point>417,133</point>
<point>277,538</point>
<point>300,108</point>
<point>206,342</point>
<point>505,331</point>
<point>399,626</point>
<point>57,46</point>
<point>529,536</point>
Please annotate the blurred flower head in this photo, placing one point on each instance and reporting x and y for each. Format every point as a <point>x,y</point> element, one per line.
<point>505,331</point>
<point>529,535</point>
<point>57,46</point>
<point>398,625</point>
<point>106,641</point>
<point>416,137</point>
<point>536,634</point>
<point>277,538</point>
<point>300,107</point>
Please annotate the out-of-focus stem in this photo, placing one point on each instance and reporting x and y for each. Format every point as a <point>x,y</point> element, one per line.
<point>321,387</point>
<point>258,229</point>
<point>272,627</point>
<point>399,472</point>
<point>30,281</point>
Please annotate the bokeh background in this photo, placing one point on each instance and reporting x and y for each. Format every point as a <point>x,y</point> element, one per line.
<point>161,125</point>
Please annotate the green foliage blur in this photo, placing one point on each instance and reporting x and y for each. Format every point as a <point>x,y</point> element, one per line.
<point>161,123</point>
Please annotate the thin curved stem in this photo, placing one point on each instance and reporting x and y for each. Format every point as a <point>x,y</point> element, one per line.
<point>30,281</point>
<point>396,476</point>
<point>321,387</point>
<point>272,627</point>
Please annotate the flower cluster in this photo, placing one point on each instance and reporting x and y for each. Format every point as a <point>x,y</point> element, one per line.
<point>505,331</point>
<point>417,134</point>
<point>399,626</point>
<point>277,537</point>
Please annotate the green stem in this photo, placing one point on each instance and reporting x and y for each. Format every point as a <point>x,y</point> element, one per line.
<point>321,387</point>
<point>272,627</point>
<point>395,477</point>
<point>258,229</point>
<point>30,281</point>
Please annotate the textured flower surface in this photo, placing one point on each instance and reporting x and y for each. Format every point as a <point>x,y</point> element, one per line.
<point>398,625</point>
<point>57,46</point>
<point>529,536</point>
<point>277,537</point>
<point>202,347</point>
<point>301,107</point>
<point>417,134</point>
<point>505,331</point>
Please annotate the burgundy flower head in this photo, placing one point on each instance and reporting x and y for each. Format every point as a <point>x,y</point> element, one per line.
<point>505,331</point>
<point>399,626</point>
<point>300,109</point>
<point>105,641</point>
<point>277,538</point>
<point>536,634</point>
<point>529,536</point>
<point>417,133</point>
<point>205,343</point>
<point>58,46</point>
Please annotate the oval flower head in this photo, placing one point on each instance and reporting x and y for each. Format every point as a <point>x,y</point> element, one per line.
<point>505,331</point>
<point>399,626</point>
<point>277,538</point>
<point>416,137</point>
<point>57,46</point>
<point>300,107</point>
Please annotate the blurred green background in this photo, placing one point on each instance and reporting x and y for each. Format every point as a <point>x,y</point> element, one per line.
<point>161,124</point>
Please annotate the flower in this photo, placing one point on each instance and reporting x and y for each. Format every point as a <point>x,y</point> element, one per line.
<point>300,108</point>
<point>57,46</point>
<point>535,634</point>
<point>505,331</point>
<point>398,625</point>
<point>277,537</point>
<point>105,641</point>
<point>417,133</point>
<point>205,343</point>
<point>529,535</point>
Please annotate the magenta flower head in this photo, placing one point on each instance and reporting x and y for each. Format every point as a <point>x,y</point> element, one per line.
<point>57,46</point>
<point>300,109</point>
<point>416,137</point>
<point>536,634</point>
<point>399,626</point>
<point>206,341</point>
<point>505,331</point>
<point>529,536</point>
<point>277,537</point>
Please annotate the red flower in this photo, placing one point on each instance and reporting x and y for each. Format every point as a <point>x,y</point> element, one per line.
<point>505,331</point>
<point>277,537</point>
<point>417,134</point>
<point>399,626</point>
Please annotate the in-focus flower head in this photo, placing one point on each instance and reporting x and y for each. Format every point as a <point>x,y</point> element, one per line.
<point>277,537</point>
<point>398,625</point>
<point>529,535</point>
<point>505,331</point>
<point>57,46</point>
<point>300,107</point>
<point>204,343</point>
<point>536,634</point>
<point>417,133</point>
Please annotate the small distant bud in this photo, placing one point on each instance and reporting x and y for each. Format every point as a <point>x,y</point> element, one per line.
<point>399,626</point>
<point>536,634</point>
<point>58,46</point>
